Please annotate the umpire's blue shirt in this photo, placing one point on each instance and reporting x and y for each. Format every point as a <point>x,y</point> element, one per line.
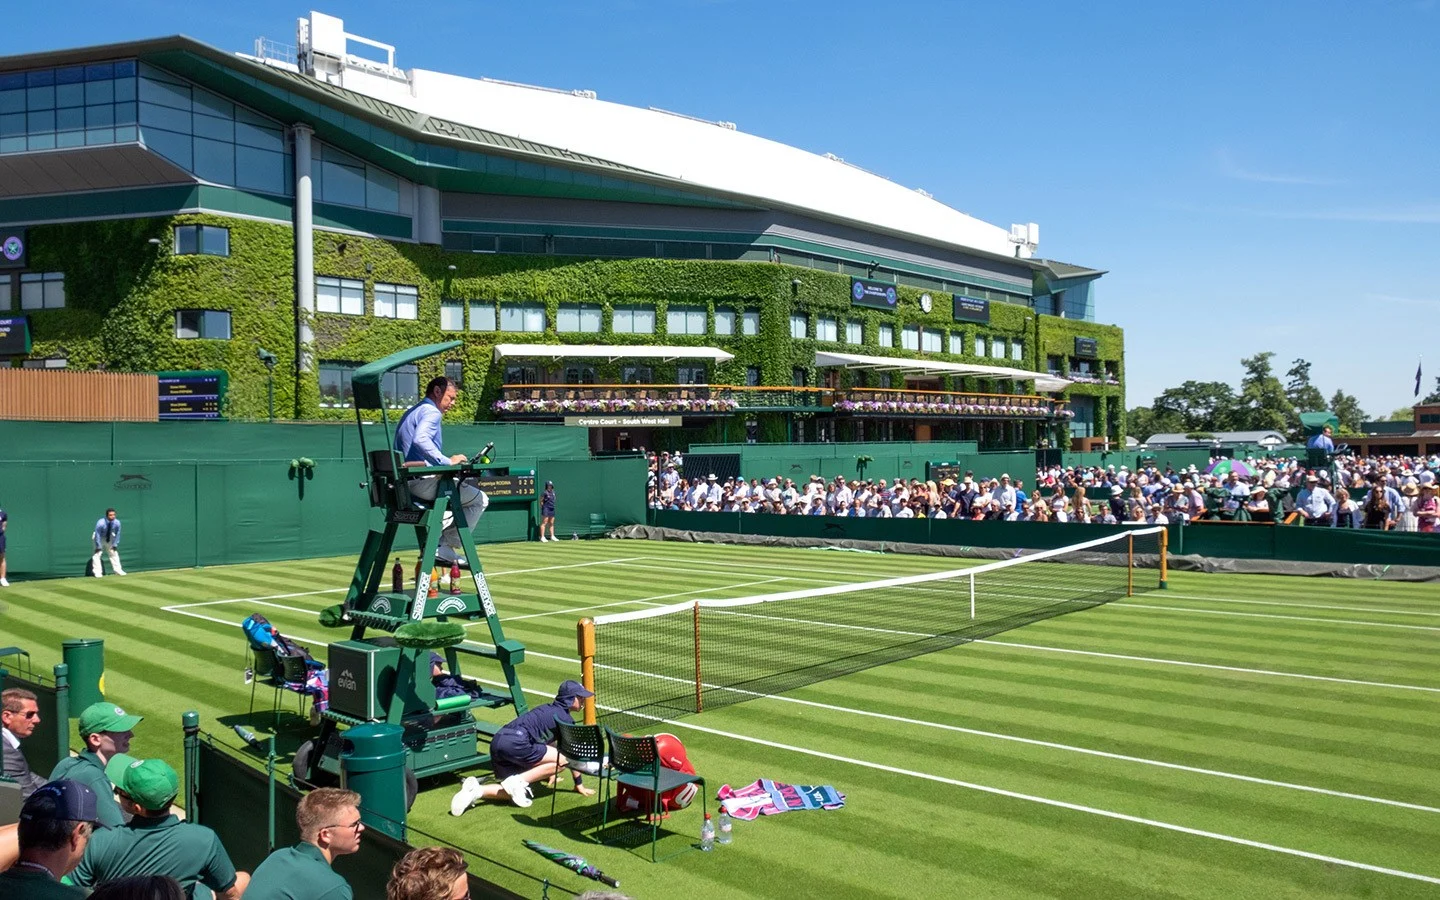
<point>417,438</point>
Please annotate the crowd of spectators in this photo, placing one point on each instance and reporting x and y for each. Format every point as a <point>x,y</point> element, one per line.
<point>1391,493</point>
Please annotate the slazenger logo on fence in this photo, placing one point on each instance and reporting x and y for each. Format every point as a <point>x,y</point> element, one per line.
<point>482,587</point>
<point>134,483</point>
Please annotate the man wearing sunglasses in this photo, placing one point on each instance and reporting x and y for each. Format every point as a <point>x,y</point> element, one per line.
<point>19,714</point>
<point>330,826</point>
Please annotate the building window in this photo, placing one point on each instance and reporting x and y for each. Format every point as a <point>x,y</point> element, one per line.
<point>752,376</point>
<point>636,375</point>
<point>207,324</point>
<point>691,375</point>
<point>455,371</point>
<point>1054,365</point>
<point>336,387</point>
<point>583,318</point>
<point>827,329</point>
<point>685,320</point>
<point>50,362</point>
<point>400,387</point>
<point>529,317</point>
<point>482,315</point>
<point>522,375</point>
<point>206,240</point>
<point>799,376</point>
<point>887,335</point>
<point>799,326</point>
<point>347,181</point>
<point>997,348</point>
<point>910,337</point>
<point>5,300</point>
<point>724,321</point>
<point>452,315</point>
<point>1017,349</point>
<point>750,323</point>
<point>397,301</point>
<point>979,345</point>
<point>579,374</point>
<point>930,340</point>
<point>42,290</point>
<point>633,320</point>
<point>854,332</point>
<point>340,295</point>
<point>957,343</point>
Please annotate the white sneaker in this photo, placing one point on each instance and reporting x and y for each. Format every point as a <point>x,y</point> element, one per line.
<point>466,797</point>
<point>98,574</point>
<point>119,571</point>
<point>518,790</point>
<point>543,539</point>
<point>4,583</point>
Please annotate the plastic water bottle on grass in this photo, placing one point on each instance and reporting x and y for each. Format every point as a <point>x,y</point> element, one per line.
<point>707,834</point>
<point>725,833</point>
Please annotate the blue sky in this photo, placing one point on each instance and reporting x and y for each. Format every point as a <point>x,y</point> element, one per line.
<point>1254,176</point>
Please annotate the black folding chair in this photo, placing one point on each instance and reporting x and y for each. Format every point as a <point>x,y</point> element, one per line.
<point>635,761</point>
<point>583,746</point>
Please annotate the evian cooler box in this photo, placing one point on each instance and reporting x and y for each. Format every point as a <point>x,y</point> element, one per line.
<point>362,679</point>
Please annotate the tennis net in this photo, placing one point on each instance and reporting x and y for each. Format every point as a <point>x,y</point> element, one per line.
<point>677,660</point>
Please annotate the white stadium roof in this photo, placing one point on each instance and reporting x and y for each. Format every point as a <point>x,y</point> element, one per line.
<point>714,156</point>
<point>609,352</point>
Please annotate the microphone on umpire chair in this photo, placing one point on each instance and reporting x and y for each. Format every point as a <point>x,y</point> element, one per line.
<point>484,453</point>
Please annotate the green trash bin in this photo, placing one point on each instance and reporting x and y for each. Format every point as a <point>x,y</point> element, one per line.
<point>372,764</point>
<point>86,659</point>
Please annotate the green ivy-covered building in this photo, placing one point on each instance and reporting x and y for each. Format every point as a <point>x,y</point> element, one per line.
<point>288,215</point>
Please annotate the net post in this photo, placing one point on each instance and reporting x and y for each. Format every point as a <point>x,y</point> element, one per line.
<point>699,701</point>
<point>585,645</point>
<point>1130,565</point>
<point>1164,559</point>
<point>972,597</point>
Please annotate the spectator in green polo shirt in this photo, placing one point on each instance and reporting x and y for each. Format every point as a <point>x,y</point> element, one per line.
<point>156,842</point>
<point>330,826</point>
<point>106,730</point>
<point>55,825</point>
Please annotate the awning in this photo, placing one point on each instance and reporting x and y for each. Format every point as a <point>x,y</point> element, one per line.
<point>609,352</point>
<point>1043,382</point>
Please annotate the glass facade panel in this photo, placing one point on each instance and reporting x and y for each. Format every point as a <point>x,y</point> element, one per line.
<point>854,332</point>
<point>979,346</point>
<point>528,317</point>
<point>685,320</point>
<point>910,337</point>
<point>340,295</point>
<point>887,335</point>
<point>5,301</point>
<point>336,383</point>
<point>1017,349</point>
<point>581,318</point>
<point>452,315</point>
<point>207,324</point>
<point>799,326</point>
<point>750,323</point>
<point>633,320</point>
<point>482,315</point>
<point>42,290</point>
<point>827,329</point>
<point>997,348</point>
<point>931,340</point>
<point>396,301</point>
<point>724,321</point>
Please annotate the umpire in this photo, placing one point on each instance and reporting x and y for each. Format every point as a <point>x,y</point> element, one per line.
<point>156,842</point>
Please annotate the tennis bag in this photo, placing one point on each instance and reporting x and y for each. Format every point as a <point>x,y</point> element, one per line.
<point>629,799</point>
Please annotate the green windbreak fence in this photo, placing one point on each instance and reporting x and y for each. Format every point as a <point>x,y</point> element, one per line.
<point>212,442</point>
<point>613,489</point>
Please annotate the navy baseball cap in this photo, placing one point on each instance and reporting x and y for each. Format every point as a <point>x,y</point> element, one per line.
<point>60,801</point>
<point>572,688</point>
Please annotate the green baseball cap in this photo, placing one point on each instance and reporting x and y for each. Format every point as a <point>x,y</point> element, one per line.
<point>102,716</point>
<point>149,782</point>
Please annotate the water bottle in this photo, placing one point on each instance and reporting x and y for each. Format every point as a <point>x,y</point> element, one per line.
<point>455,578</point>
<point>434,583</point>
<point>397,577</point>
<point>727,826</point>
<point>707,835</point>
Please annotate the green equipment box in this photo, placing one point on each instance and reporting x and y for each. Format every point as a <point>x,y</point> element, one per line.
<point>362,679</point>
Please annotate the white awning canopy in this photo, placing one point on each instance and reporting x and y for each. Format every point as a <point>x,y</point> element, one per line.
<point>609,352</point>
<point>1043,382</point>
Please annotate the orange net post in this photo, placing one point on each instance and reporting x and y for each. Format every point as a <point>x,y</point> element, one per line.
<point>699,701</point>
<point>1164,558</point>
<point>585,646</point>
<point>1130,567</point>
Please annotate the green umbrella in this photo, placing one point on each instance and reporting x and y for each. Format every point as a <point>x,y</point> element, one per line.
<point>1226,466</point>
<point>576,864</point>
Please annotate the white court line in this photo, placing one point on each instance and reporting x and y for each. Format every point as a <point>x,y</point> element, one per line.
<point>1369,609</point>
<point>1125,604</point>
<point>1179,662</point>
<point>1045,801</point>
<point>603,562</point>
<point>647,600</point>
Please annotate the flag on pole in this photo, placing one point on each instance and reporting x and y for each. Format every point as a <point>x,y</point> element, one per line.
<point>1417,376</point>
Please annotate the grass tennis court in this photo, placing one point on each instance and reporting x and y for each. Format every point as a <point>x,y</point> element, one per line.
<point>1234,736</point>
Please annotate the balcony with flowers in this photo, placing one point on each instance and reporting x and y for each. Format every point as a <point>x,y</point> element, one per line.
<point>547,401</point>
<point>903,403</point>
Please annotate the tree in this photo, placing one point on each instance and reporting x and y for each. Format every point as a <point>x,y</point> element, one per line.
<point>1143,422</point>
<point>1433,396</point>
<point>1403,414</point>
<point>1197,406</point>
<point>1302,394</point>
<point>1347,409</point>
<point>1263,404</point>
